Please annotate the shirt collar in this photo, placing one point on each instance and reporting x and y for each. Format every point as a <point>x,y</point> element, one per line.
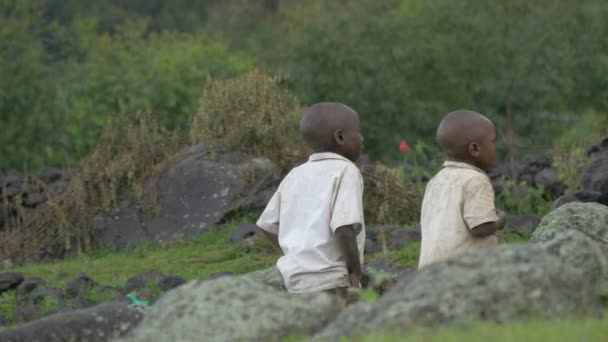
<point>326,155</point>
<point>462,165</point>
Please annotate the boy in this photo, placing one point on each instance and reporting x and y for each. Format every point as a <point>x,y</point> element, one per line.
<point>316,214</point>
<point>458,212</point>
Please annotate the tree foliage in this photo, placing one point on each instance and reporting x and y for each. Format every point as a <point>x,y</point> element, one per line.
<point>61,82</point>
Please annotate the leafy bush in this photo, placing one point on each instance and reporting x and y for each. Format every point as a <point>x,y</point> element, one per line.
<point>252,113</point>
<point>403,64</point>
<point>521,198</point>
<point>70,81</point>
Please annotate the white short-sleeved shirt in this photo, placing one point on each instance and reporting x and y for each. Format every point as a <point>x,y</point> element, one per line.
<point>313,201</point>
<point>459,198</point>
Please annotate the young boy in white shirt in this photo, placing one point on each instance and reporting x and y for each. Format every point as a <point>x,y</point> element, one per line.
<point>458,212</point>
<point>316,214</point>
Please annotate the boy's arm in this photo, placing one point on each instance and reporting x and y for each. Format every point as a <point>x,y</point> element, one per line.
<point>347,240</point>
<point>490,228</point>
<point>479,212</point>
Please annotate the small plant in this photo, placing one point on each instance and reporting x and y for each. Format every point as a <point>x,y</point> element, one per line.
<point>419,164</point>
<point>127,154</point>
<point>522,198</point>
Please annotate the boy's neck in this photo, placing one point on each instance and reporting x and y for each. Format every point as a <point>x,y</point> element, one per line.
<point>466,161</point>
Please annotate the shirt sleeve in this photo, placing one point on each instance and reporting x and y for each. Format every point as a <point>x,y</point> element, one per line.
<point>269,220</point>
<point>347,207</point>
<point>478,206</point>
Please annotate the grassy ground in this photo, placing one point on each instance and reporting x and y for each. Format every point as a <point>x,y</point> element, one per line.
<point>588,330</point>
<point>212,253</point>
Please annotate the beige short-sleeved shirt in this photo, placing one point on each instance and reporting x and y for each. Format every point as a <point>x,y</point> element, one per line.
<point>313,201</point>
<point>459,198</point>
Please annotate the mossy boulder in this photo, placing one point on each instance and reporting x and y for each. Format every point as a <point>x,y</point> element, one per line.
<point>234,309</point>
<point>590,219</point>
<point>558,278</point>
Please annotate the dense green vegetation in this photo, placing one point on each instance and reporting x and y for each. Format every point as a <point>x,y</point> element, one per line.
<point>69,67</point>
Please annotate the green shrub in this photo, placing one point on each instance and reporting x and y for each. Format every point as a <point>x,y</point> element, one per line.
<point>70,81</point>
<point>252,113</point>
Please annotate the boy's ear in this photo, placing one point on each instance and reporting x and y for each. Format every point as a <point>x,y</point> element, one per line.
<point>339,137</point>
<point>474,149</point>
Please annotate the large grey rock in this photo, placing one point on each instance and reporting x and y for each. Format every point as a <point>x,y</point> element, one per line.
<point>595,174</point>
<point>233,309</point>
<point>582,196</point>
<point>588,218</point>
<point>270,276</point>
<point>10,280</point>
<point>511,282</point>
<point>197,190</point>
<point>100,323</point>
<point>522,224</point>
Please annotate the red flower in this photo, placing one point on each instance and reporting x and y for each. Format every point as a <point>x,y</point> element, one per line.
<point>403,147</point>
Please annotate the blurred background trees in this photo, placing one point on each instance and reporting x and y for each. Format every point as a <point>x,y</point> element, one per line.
<point>68,67</point>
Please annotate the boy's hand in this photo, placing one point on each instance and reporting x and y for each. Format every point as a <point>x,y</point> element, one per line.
<point>355,279</point>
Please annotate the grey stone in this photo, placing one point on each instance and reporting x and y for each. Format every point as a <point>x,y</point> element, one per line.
<point>524,224</point>
<point>42,294</point>
<point>2,213</point>
<point>588,218</point>
<point>49,175</point>
<point>549,179</point>
<point>196,191</point>
<point>594,175</point>
<point>141,280</point>
<point>582,196</point>
<point>270,276</point>
<point>243,231</point>
<point>33,199</point>
<point>559,278</point>
<point>29,285</point>
<point>170,282</point>
<point>101,323</point>
<point>233,309</point>
<point>10,280</point>
<point>28,313</point>
<point>58,187</point>
<point>121,228</point>
<point>79,283</point>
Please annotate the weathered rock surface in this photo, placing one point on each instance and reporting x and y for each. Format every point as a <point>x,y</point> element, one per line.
<point>270,276</point>
<point>170,282</point>
<point>594,175</point>
<point>141,280</point>
<point>554,279</point>
<point>197,190</point>
<point>233,309</point>
<point>100,323</point>
<point>581,196</point>
<point>588,218</point>
<point>523,224</point>
<point>81,282</point>
<point>10,280</point>
<point>243,231</point>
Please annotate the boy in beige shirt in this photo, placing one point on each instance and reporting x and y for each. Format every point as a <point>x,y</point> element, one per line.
<point>458,212</point>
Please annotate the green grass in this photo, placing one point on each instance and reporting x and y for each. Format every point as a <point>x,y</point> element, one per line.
<point>588,330</point>
<point>208,254</point>
<point>211,253</point>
